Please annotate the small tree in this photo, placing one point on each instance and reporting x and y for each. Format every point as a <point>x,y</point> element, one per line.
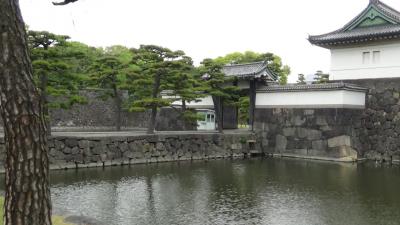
<point>184,86</point>
<point>321,77</point>
<point>217,85</point>
<point>244,106</point>
<point>301,79</point>
<point>108,74</point>
<point>154,66</point>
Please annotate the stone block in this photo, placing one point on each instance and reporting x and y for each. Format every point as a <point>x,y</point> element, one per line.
<point>67,150</point>
<point>98,149</point>
<point>341,152</point>
<point>313,135</point>
<point>321,121</point>
<point>236,146</point>
<point>281,143</point>
<point>298,120</point>
<point>320,145</point>
<point>71,142</point>
<point>103,157</point>
<point>86,152</point>
<point>124,146</point>
<point>308,112</point>
<point>160,146</point>
<point>84,144</point>
<point>298,152</point>
<point>301,132</point>
<point>289,131</point>
<point>316,152</point>
<point>59,144</point>
<point>343,140</point>
<point>75,150</point>
<point>265,143</point>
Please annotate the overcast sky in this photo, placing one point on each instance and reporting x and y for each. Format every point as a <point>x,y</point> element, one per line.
<point>203,28</point>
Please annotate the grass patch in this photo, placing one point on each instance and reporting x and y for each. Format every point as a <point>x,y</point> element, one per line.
<point>57,220</point>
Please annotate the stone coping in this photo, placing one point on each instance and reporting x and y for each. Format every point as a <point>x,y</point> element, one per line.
<point>344,159</point>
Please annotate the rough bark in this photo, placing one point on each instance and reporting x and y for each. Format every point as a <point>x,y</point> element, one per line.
<point>45,102</point>
<point>218,104</point>
<point>156,88</point>
<point>27,197</point>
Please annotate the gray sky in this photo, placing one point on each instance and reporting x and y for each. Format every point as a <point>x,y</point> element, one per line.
<point>203,28</point>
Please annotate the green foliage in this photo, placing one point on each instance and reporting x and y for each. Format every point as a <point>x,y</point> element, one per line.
<point>109,73</point>
<point>244,106</point>
<point>216,83</point>
<point>321,77</point>
<point>274,62</point>
<point>301,79</point>
<point>158,69</point>
<point>56,71</point>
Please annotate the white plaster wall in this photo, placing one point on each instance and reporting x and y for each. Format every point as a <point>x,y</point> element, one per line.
<point>311,99</point>
<point>204,103</point>
<point>347,63</point>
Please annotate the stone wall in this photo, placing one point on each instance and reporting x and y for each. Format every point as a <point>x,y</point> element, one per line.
<point>96,113</point>
<point>80,152</point>
<point>311,133</point>
<point>373,132</point>
<point>381,118</point>
<point>170,119</point>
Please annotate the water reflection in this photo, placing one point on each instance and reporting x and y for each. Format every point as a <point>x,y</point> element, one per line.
<point>269,192</point>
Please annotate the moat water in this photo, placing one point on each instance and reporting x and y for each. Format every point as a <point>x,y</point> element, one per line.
<point>269,191</point>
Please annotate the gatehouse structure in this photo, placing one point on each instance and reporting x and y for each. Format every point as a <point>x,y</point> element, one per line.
<point>357,114</point>
<point>366,47</point>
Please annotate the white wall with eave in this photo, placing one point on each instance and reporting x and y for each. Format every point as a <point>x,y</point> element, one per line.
<point>311,99</point>
<point>202,103</point>
<point>353,63</point>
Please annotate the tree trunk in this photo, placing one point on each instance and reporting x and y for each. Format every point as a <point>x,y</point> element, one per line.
<point>156,88</point>
<point>118,104</point>
<point>27,197</point>
<point>187,124</point>
<point>44,102</point>
<point>218,113</point>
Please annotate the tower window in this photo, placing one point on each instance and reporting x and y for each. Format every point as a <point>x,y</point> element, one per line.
<point>376,56</point>
<point>366,57</point>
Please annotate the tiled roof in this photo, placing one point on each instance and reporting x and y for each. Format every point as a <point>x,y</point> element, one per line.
<point>312,87</point>
<point>347,35</point>
<point>357,35</point>
<point>256,70</point>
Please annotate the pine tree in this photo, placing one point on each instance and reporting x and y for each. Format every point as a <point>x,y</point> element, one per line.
<point>54,75</point>
<point>108,73</point>
<point>321,77</point>
<point>183,86</point>
<point>216,85</point>
<point>154,66</point>
<point>27,195</point>
<point>301,79</point>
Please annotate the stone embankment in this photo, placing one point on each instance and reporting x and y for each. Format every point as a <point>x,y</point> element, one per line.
<point>325,134</point>
<point>67,152</point>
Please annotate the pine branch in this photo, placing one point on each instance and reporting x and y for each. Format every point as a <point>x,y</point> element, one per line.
<point>65,2</point>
